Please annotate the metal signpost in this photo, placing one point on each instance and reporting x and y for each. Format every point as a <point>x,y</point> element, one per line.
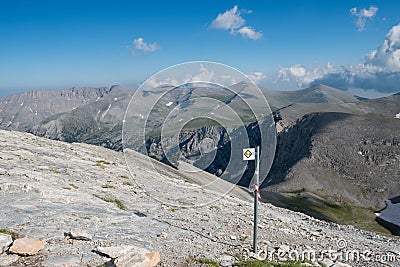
<point>253,154</point>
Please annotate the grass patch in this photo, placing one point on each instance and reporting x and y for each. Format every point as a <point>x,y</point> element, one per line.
<point>108,186</point>
<point>73,186</point>
<point>360,218</point>
<point>119,204</point>
<point>243,238</point>
<point>185,202</point>
<point>209,262</point>
<point>124,176</point>
<point>265,263</point>
<point>14,235</point>
<point>54,169</point>
<point>128,183</point>
<point>103,162</point>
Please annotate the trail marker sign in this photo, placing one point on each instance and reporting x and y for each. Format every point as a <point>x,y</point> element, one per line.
<point>254,154</point>
<point>249,154</point>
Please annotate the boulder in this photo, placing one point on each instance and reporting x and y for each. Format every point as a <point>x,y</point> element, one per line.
<point>27,246</point>
<point>78,234</point>
<point>132,259</point>
<point>118,251</point>
<point>154,258</point>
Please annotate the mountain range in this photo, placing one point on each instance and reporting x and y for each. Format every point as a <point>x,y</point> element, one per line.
<point>337,155</point>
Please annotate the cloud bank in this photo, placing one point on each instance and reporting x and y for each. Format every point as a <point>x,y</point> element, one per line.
<point>377,75</point>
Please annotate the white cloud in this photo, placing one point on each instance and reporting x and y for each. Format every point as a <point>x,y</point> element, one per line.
<point>139,46</point>
<point>301,75</point>
<point>378,75</point>
<point>229,20</point>
<point>257,76</point>
<point>362,15</point>
<point>233,21</point>
<point>250,33</point>
<point>387,55</point>
<point>153,82</point>
<point>203,74</point>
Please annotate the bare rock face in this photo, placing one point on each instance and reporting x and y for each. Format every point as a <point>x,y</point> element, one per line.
<point>27,246</point>
<point>5,242</point>
<point>132,259</point>
<point>118,251</point>
<point>49,187</point>
<point>8,259</point>
<point>62,261</point>
<point>19,111</point>
<point>131,256</point>
<point>79,234</point>
<point>154,258</point>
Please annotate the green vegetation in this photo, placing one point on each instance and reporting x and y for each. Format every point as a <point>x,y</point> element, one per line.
<point>14,235</point>
<point>199,123</point>
<point>172,209</point>
<point>54,169</point>
<point>73,186</point>
<point>108,186</point>
<point>128,183</point>
<point>111,200</point>
<point>124,176</point>
<point>320,208</point>
<point>208,262</point>
<point>253,263</point>
<point>185,202</point>
<point>265,263</point>
<point>102,163</point>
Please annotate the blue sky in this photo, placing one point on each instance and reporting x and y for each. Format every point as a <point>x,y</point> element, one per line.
<point>281,44</point>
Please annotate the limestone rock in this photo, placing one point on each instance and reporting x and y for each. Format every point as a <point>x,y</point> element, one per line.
<point>132,259</point>
<point>118,251</point>
<point>154,258</point>
<point>8,259</point>
<point>27,246</point>
<point>328,262</point>
<point>340,264</point>
<point>79,234</point>
<point>5,242</point>
<point>62,261</point>
<point>226,260</point>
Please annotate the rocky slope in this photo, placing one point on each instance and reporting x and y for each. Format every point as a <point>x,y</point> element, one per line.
<point>331,146</point>
<point>314,94</point>
<point>48,188</point>
<point>20,111</point>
